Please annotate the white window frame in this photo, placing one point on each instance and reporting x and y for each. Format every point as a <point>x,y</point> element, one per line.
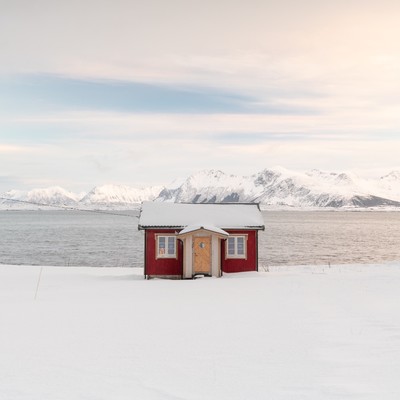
<point>165,255</point>
<point>236,255</point>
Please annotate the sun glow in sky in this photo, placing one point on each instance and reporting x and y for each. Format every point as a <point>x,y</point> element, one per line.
<point>140,93</point>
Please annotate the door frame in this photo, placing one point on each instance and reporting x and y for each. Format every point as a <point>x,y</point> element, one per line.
<point>209,240</point>
<point>215,253</point>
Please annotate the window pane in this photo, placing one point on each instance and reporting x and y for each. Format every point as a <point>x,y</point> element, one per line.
<point>171,245</point>
<point>161,245</point>
<point>231,246</point>
<point>240,245</point>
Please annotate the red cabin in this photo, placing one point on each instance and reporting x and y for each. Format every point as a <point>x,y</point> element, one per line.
<point>184,240</point>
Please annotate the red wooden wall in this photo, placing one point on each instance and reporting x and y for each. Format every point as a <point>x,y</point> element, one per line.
<point>161,266</point>
<point>174,266</point>
<point>240,264</point>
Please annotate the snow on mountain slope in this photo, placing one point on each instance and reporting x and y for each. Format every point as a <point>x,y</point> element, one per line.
<point>210,186</point>
<point>106,196</point>
<point>389,185</point>
<point>276,187</point>
<point>311,189</point>
<point>55,196</point>
<point>120,195</point>
<point>320,189</point>
<point>281,187</point>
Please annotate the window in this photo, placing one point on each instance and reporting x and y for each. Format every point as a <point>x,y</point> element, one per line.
<point>166,246</point>
<point>236,247</point>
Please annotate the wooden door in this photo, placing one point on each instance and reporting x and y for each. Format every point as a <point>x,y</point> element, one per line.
<point>202,255</point>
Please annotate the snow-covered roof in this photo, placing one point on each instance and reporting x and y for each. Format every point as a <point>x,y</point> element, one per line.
<point>181,215</point>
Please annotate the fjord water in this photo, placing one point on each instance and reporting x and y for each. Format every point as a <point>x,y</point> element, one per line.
<point>73,238</point>
<point>329,237</point>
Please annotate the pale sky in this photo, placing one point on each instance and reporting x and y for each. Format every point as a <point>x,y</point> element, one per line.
<point>142,92</point>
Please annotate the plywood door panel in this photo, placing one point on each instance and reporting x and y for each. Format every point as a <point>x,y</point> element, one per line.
<point>202,255</point>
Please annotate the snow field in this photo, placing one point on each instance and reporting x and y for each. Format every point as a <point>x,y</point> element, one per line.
<point>291,333</point>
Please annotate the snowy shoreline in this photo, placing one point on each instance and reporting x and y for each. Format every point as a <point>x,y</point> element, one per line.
<point>304,332</point>
<point>262,269</point>
<point>136,208</point>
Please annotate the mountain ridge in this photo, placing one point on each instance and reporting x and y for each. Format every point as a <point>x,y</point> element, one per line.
<point>271,187</point>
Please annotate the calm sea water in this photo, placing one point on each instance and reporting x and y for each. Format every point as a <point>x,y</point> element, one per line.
<point>71,238</point>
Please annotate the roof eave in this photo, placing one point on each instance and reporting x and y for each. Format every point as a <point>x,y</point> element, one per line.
<point>144,227</point>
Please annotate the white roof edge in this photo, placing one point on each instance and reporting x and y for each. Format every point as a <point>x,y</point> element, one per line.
<point>257,227</point>
<point>210,228</point>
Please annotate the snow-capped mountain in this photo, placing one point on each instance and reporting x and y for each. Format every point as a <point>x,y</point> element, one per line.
<point>53,196</point>
<point>281,187</point>
<point>389,185</point>
<point>276,187</point>
<point>320,189</point>
<point>120,195</point>
<point>106,196</point>
<point>211,186</point>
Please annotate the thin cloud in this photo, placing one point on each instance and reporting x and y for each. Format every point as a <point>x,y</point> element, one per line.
<point>33,93</point>
<point>13,149</point>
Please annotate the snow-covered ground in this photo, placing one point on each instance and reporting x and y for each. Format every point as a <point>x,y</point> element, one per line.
<point>290,333</point>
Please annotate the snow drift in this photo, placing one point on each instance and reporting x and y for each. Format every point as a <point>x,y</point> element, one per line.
<point>292,333</point>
